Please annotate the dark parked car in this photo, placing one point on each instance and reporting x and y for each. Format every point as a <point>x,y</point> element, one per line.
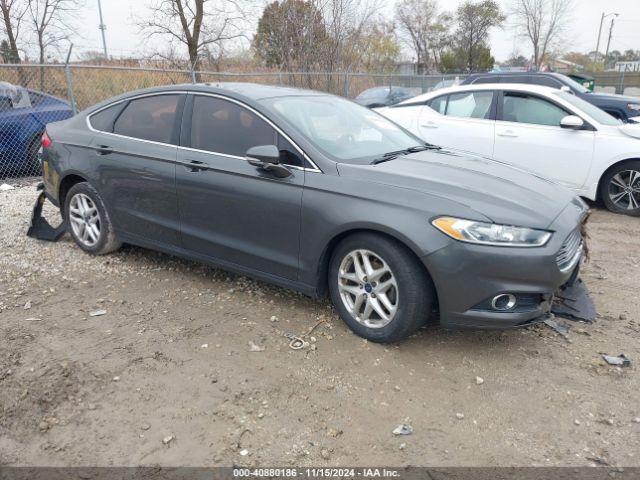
<point>385,96</point>
<point>622,107</point>
<point>313,192</point>
<point>23,116</point>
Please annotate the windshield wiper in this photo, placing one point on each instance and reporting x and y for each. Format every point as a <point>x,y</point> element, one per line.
<point>398,153</point>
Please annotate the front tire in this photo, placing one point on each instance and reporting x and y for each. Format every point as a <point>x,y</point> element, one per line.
<point>620,188</point>
<point>88,221</point>
<point>379,288</point>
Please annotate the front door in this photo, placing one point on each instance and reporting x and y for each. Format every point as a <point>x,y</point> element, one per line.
<point>528,135</point>
<point>231,211</point>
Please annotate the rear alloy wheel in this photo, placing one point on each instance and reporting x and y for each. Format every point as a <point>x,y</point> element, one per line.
<point>379,288</point>
<point>88,220</point>
<point>620,189</point>
<point>84,219</point>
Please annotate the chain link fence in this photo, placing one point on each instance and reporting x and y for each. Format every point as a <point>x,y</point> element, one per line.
<point>33,95</point>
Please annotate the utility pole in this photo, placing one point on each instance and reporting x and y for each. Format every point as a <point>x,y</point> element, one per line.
<point>103,27</point>
<point>595,52</point>
<point>604,15</point>
<point>606,55</point>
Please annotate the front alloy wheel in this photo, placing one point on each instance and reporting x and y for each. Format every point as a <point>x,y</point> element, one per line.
<point>624,189</point>
<point>368,288</point>
<point>620,188</point>
<point>379,287</point>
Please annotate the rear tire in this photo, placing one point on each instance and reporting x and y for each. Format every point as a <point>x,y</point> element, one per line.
<point>88,221</point>
<point>620,188</point>
<point>379,288</point>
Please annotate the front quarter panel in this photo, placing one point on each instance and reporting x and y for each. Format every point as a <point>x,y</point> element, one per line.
<point>611,147</point>
<point>334,205</point>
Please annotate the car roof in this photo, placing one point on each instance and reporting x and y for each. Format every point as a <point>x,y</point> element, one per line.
<point>253,91</point>
<point>509,74</point>
<point>523,87</point>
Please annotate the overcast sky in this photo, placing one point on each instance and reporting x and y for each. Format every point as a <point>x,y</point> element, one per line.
<point>123,38</point>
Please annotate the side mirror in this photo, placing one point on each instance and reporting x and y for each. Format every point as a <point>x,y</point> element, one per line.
<point>263,154</point>
<point>267,158</point>
<point>572,122</point>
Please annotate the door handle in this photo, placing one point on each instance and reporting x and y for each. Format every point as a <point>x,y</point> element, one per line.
<point>429,125</point>
<point>103,150</point>
<point>196,166</point>
<point>507,133</point>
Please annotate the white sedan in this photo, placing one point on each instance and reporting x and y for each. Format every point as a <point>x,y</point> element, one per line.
<point>549,132</point>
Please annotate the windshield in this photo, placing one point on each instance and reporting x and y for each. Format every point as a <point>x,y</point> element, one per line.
<point>573,84</point>
<point>343,129</point>
<point>594,112</point>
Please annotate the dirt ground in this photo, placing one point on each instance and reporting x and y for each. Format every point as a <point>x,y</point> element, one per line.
<point>188,366</point>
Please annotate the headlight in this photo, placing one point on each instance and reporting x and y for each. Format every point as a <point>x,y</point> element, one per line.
<point>491,233</point>
<point>633,106</point>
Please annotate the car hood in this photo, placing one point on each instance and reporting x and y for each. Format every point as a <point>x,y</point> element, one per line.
<point>493,189</point>
<point>630,129</point>
<point>613,97</point>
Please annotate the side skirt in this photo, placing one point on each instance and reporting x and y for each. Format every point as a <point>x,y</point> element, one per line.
<point>308,290</point>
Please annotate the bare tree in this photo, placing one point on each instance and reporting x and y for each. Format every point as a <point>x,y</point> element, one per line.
<point>542,22</point>
<point>12,14</point>
<point>345,22</point>
<point>198,25</point>
<point>51,24</point>
<point>425,29</point>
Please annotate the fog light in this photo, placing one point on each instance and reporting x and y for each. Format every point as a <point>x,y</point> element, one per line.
<point>504,301</point>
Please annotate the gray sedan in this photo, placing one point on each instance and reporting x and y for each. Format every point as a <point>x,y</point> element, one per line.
<point>316,193</point>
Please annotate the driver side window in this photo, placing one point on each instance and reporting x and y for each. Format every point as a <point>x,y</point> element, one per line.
<point>221,126</point>
<point>523,108</point>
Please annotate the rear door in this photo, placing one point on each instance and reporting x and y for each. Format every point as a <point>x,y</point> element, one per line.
<point>528,135</point>
<point>232,212</point>
<point>463,121</point>
<point>134,153</point>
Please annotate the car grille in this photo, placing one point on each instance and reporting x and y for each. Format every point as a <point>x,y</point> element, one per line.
<point>568,251</point>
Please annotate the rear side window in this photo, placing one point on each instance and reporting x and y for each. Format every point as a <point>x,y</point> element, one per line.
<point>103,120</point>
<point>220,126</point>
<point>531,109</point>
<point>439,104</point>
<point>470,105</point>
<point>149,118</point>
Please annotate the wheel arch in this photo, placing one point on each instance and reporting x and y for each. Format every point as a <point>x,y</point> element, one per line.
<point>611,167</point>
<point>66,183</point>
<point>325,258</point>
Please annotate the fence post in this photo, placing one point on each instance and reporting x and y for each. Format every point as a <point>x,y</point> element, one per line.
<point>346,83</point>
<point>280,78</point>
<point>68,76</point>
<point>622,82</point>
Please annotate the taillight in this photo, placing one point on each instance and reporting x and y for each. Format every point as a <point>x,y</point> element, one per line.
<point>46,141</point>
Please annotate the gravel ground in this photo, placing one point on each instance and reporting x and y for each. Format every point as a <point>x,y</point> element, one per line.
<point>188,365</point>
